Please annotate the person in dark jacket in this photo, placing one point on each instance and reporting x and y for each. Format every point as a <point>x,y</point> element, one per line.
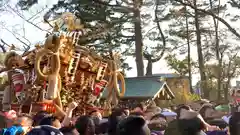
<point>44,130</point>
<point>114,119</point>
<point>234,124</point>
<point>172,128</point>
<point>193,126</point>
<point>85,125</point>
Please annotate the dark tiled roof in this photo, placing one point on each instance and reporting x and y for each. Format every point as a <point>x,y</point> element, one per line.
<point>143,87</point>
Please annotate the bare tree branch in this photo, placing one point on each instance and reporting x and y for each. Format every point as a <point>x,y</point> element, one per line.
<point>230,28</point>
<point>23,37</point>
<point>161,33</point>
<point>10,46</point>
<point>27,20</point>
<point>14,34</point>
<point>36,14</point>
<point>149,31</point>
<point>234,3</point>
<point>5,43</point>
<point>2,46</point>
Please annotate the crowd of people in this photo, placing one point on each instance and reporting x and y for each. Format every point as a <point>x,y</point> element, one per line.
<point>194,119</point>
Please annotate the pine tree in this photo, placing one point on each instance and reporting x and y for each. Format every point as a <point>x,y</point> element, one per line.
<point>116,14</point>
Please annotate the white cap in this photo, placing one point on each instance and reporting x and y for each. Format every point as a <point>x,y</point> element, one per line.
<point>226,119</point>
<point>167,112</point>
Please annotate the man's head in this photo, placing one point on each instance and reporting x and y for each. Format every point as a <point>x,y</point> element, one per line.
<point>236,93</point>
<point>12,60</point>
<point>139,114</point>
<point>196,106</point>
<point>207,112</point>
<point>148,114</point>
<point>181,110</point>
<point>158,122</point>
<point>140,108</point>
<point>113,120</point>
<point>51,121</point>
<point>11,117</point>
<point>133,125</point>
<point>96,113</point>
<point>25,121</point>
<point>85,125</point>
<point>96,116</point>
<point>191,126</point>
<point>38,117</point>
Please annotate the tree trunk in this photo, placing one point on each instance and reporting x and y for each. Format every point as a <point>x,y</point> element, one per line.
<point>226,90</point>
<point>149,67</point>
<point>229,76</point>
<point>189,53</point>
<point>200,55</point>
<point>138,40</point>
<point>150,60</point>
<point>228,81</point>
<point>219,59</point>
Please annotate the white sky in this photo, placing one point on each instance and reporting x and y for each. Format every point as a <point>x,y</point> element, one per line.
<point>35,35</point>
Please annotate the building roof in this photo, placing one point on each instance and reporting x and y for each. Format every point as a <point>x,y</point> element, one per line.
<point>144,87</point>
<point>168,75</point>
<point>163,75</point>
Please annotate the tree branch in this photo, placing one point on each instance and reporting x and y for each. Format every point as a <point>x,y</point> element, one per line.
<point>234,3</point>
<point>2,46</point>
<point>36,14</point>
<point>19,38</point>
<point>27,20</point>
<point>149,31</point>
<point>161,33</point>
<point>229,75</point>
<point>113,6</point>
<point>126,1</point>
<point>230,28</point>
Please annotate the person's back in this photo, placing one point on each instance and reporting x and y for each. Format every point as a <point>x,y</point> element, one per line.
<point>51,121</point>
<point>45,130</point>
<point>218,122</point>
<point>38,117</point>
<point>102,128</point>
<point>193,126</point>
<point>14,130</point>
<point>234,124</point>
<point>114,119</point>
<point>133,125</point>
<point>3,121</point>
<point>85,125</point>
<point>68,130</point>
<point>217,132</point>
<point>172,128</point>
